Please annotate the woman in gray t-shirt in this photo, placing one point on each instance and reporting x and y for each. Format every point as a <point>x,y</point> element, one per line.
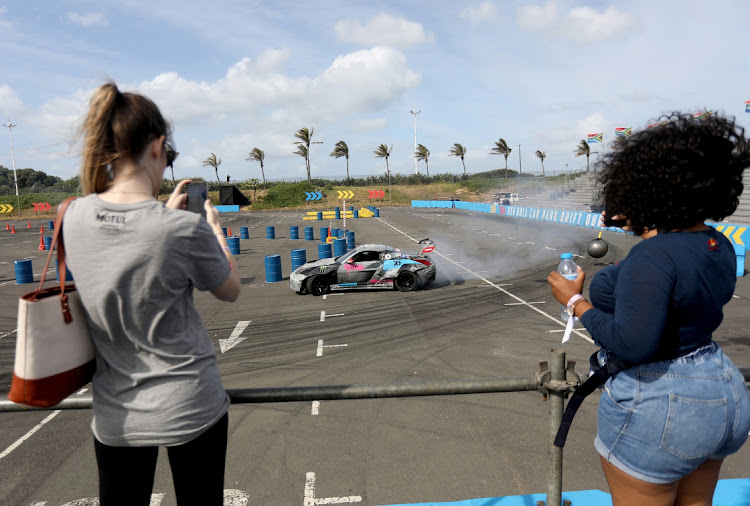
<point>136,262</point>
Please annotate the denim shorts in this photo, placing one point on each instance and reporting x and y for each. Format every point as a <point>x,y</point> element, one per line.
<point>658,422</point>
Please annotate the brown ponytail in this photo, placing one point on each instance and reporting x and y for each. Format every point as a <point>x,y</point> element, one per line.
<point>117,127</point>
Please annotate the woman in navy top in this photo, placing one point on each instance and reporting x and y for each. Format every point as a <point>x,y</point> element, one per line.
<point>667,421</point>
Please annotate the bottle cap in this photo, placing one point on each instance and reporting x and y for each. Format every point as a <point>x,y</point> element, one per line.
<point>566,255</point>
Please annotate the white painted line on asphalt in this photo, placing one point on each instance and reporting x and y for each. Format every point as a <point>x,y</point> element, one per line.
<point>509,237</point>
<point>234,338</point>
<point>310,499</point>
<point>331,294</point>
<point>736,296</point>
<point>315,408</point>
<point>579,256</point>
<point>523,303</point>
<point>34,430</point>
<point>322,316</point>
<point>553,249</point>
<point>506,292</point>
<point>319,352</point>
<point>8,333</point>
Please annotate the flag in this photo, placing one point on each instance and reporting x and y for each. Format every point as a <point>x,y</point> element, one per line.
<point>657,124</point>
<point>702,115</point>
<point>595,138</point>
<point>623,131</point>
<point>747,106</point>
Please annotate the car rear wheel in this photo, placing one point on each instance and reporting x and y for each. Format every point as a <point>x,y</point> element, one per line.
<point>317,285</point>
<point>407,281</point>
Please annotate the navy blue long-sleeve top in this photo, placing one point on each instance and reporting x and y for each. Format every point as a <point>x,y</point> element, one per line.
<point>665,298</point>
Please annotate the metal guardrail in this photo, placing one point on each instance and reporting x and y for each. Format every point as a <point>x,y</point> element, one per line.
<point>555,379</point>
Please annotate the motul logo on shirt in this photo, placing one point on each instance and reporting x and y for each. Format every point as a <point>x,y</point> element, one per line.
<point>111,218</point>
<point>712,245</point>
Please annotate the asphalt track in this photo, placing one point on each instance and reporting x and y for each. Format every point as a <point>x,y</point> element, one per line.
<point>488,314</point>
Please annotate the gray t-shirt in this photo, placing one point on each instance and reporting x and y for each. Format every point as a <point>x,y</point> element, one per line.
<point>135,266</point>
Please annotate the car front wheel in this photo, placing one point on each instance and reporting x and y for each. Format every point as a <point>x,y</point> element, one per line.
<point>407,281</point>
<point>317,285</point>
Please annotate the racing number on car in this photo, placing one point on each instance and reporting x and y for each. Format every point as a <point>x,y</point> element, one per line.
<point>322,269</point>
<point>397,263</point>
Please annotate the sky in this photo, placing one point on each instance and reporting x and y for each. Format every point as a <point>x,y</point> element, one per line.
<point>233,75</point>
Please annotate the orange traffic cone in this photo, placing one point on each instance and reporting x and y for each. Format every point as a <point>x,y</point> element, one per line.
<point>229,233</point>
<point>29,225</point>
<point>13,229</point>
<point>7,226</point>
<point>41,229</point>
<point>41,244</point>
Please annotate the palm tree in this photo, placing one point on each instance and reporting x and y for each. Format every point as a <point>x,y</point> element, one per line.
<point>341,149</point>
<point>423,154</point>
<point>254,183</point>
<point>171,156</point>
<point>305,139</point>
<point>212,161</point>
<point>460,151</point>
<point>258,155</point>
<point>540,154</point>
<point>384,152</point>
<point>501,148</point>
<point>584,149</point>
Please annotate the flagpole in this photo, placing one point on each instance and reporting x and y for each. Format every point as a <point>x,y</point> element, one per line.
<point>13,158</point>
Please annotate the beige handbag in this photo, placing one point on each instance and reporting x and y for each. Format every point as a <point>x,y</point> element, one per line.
<point>54,352</point>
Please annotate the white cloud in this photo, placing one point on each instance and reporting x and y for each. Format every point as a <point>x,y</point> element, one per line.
<point>4,23</point>
<point>10,104</point>
<point>368,124</point>
<point>580,24</point>
<point>486,11</point>
<point>88,20</point>
<point>383,29</point>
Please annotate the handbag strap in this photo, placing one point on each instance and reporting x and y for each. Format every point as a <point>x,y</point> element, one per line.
<point>57,237</point>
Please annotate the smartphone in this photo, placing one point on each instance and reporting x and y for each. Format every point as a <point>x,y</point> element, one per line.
<point>197,193</point>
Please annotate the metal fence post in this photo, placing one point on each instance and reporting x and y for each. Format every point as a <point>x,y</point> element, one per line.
<point>556,407</point>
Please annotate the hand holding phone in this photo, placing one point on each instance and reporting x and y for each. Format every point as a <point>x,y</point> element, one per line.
<point>197,194</point>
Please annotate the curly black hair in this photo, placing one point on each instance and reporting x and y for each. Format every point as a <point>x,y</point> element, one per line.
<point>682,172</point>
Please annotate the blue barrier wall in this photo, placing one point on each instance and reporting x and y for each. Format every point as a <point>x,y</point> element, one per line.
<point>738,234</point>
<point>228,209</point>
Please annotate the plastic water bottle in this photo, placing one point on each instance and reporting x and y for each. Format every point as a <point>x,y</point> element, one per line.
<point>569,269</point>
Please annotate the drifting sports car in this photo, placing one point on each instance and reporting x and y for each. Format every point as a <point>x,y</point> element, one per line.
<point>367,267</point>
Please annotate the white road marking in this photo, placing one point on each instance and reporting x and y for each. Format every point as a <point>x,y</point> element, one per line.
<point>506,292</point>
<point>736,296</point>
<point>319,352</point>
<point>553,249</point>
<point>579,256</point>
<point>234,338</point>
<point>8,333</point>
<point>34,430</point>
<point>232,497</point>
<point>310,499</point>
<point>323,315</point>
<point>315,408</point>
<point>523,303</point>
<point>509,237</point>
<point>331,294</point>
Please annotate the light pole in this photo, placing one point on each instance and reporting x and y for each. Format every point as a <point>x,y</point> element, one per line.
<point>416,171</point>
<point>519,161</point>
<point>10,126</point>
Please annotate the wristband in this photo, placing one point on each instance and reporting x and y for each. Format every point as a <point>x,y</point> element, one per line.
<point>571,306</point>
<point>226,248</point>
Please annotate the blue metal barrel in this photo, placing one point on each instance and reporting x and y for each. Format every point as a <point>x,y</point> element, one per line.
<point>339,247</point>
<point>24,274</point>
<point>377,212</point>
<point>324,250</point>
<point>309,234</point>
<point>224,229</point>
<point>68,274</point>
<point>356,213</point>
<point>323,233</point>
<point>320,215</point>
<point>299,257</point>
<point>51,225</point>
<point>244,233</point>
<point>273,268</point>
<point>48,242</point>
<point>350,240</point>
<point>270,233</point>
<point>337,209</point>
<point>335,232</point>
<point>234,245</point>
<point>294,232</point>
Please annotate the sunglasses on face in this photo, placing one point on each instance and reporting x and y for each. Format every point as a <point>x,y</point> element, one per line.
<point>172,154</point>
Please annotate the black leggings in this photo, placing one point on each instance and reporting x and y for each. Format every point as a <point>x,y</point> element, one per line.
<point>126,473</point>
